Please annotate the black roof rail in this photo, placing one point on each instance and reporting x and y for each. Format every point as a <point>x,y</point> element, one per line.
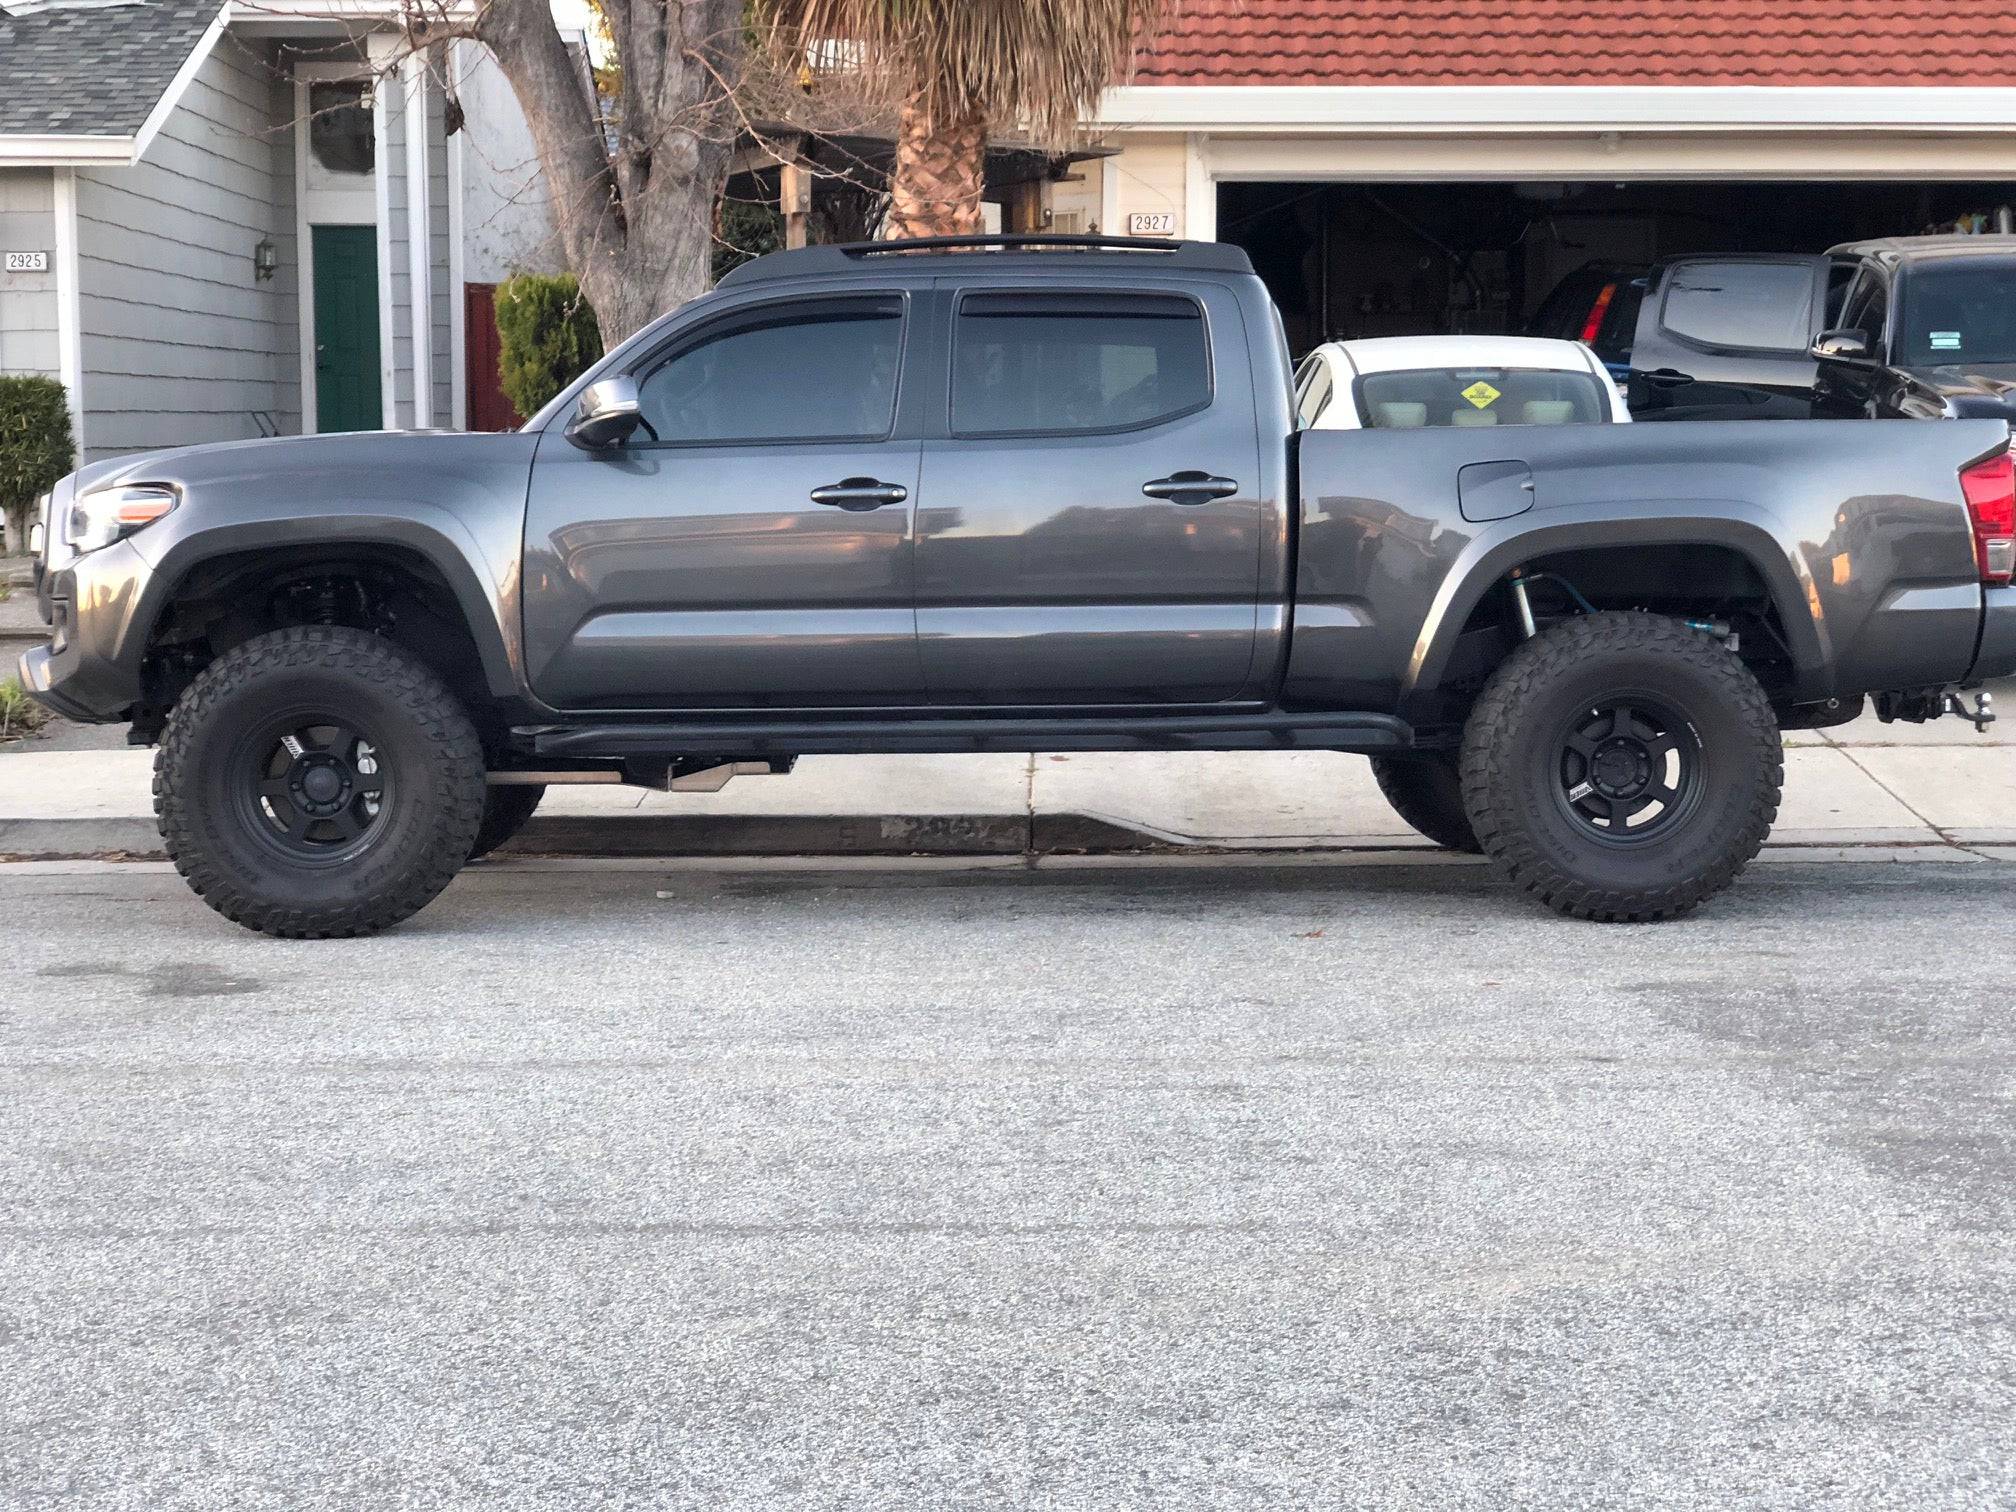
<point>1218,257</point>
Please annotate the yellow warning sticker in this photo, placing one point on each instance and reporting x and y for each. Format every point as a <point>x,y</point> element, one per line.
<point>1481,394</point>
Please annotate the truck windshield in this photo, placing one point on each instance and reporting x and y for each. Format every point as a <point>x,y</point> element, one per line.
<point>1961,312</point>
<point>1480,396</point>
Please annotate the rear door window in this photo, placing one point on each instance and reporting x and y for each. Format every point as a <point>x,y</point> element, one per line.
<point>1066,363</point>
<point>1753,306</point>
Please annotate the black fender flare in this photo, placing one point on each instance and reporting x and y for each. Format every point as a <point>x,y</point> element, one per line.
<point>1746,529</point>
<point>447,548</point>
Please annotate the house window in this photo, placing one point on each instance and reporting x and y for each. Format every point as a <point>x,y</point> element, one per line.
<point>340,133</point>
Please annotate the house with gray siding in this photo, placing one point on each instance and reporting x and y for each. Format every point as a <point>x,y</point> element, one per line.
<point>221,221</point>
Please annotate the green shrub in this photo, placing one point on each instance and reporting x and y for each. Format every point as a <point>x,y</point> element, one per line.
<point>548,336</point>
<point>35,447</point>
<point>18,712</point>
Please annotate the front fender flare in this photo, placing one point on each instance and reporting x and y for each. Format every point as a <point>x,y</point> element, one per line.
<point>444,543</point>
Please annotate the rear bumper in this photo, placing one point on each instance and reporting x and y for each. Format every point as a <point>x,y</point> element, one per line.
<point>1997,656</point>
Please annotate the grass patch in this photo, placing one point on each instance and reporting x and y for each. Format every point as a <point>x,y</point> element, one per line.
<point>6,590</point>
<point>18,712</point>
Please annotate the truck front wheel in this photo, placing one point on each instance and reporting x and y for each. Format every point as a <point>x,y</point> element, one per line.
<point>318,782</point>
<point>1622,767</point>
<point>1427,791</point>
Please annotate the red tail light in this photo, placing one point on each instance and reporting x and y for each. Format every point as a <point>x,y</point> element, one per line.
<point>1594,323</point>
<point>1990,487</point>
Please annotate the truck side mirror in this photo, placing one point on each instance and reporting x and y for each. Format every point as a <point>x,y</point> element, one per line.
<point>1847,345</point>
<point>608,413</point>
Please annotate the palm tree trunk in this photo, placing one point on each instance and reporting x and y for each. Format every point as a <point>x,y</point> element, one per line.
<point>940,165</point>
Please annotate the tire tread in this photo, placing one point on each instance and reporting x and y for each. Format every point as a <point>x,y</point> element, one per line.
<point>1523,677</point>
<point>456,805</point>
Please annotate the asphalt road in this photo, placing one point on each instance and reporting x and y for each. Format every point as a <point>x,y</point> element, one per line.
<point>1151,1186</point>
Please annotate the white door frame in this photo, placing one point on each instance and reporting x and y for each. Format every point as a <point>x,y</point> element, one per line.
<point>361,208</point>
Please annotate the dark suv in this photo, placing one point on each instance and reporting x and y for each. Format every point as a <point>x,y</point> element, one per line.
<point>1596,305</point>
<point>1912,327</point>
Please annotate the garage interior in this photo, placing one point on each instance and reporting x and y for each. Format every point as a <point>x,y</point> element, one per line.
<point>1348,260</point>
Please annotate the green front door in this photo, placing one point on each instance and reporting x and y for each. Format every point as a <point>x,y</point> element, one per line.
<point>347,396</point>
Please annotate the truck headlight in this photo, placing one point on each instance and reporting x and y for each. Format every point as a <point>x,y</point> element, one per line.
<point>38,526</point>
<point>111,514</point>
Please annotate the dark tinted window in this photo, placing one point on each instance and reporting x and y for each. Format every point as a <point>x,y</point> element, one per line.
<point>1758,305</point>
<point>1958,312</point>
<point>1076,362</point>
<point>1481,396</point>
<point>823,369</point>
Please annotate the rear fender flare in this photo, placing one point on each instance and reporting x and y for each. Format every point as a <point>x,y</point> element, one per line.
<point>1749,531</point>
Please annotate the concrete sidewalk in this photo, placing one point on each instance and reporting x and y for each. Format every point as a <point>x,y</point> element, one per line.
<point>1866,784</point>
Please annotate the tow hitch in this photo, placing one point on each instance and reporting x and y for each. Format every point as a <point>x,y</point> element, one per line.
<point>1917,705</point>
<point>1980,716</point>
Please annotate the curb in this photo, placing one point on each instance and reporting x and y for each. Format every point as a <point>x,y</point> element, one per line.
<point>827,835</point>
<point>684,835</point>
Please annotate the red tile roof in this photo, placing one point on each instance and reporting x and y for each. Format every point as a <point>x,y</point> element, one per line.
<point>1706,42</point>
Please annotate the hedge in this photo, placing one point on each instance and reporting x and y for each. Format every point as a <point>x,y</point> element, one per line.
<point>548,337</point>
<point>35,445</point>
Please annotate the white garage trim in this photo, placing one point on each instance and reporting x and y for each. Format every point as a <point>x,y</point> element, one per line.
<point>1612,155</point>
<point>69,305</point>
<point>1200,189</point>
<point>1469,109</point>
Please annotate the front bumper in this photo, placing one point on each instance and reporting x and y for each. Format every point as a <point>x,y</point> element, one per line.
<point>35,681</point>
<point>91,669</point>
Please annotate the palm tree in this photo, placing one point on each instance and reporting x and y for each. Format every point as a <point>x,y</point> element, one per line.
<point>959,68</point>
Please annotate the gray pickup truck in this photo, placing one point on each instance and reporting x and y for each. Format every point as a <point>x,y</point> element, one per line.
<point>1006,494</point>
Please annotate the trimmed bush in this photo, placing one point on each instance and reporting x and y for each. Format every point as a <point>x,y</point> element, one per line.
<point>35,445</point>
<point>548,337</point>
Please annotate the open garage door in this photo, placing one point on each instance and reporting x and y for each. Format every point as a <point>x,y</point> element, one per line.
<point>1347,260</point>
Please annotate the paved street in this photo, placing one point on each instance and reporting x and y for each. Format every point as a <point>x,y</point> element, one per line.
<point>1168,1183</point>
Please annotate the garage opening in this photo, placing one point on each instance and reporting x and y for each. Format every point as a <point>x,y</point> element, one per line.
<point>1349,260</point>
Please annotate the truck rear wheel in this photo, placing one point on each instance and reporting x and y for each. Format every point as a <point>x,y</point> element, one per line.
<point>318,782</point>
<point>507,809</point>
<point>1427,791</point>
<point>1622,767</point>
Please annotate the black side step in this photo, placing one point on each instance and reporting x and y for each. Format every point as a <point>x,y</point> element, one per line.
<point>841,737</point>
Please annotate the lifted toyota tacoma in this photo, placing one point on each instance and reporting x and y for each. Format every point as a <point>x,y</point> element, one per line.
<point>1010,494</point>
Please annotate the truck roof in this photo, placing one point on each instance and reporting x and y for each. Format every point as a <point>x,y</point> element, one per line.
<point>1895,249</point>
<point>947,254</point>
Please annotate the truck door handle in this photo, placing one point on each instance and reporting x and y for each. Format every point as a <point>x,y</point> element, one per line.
<point>857,494</point>
<point>1667,377</point>
<point>1190,488</point>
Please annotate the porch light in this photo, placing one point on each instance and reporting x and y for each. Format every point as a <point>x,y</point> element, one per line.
<point>265,259</point>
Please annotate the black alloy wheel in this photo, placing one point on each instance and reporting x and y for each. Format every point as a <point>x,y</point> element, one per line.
<point>1631,769</point>
<point>316,787</point>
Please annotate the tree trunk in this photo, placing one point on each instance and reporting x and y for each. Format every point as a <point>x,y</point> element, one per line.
<point>941,162</point>
<point>636,223</point>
